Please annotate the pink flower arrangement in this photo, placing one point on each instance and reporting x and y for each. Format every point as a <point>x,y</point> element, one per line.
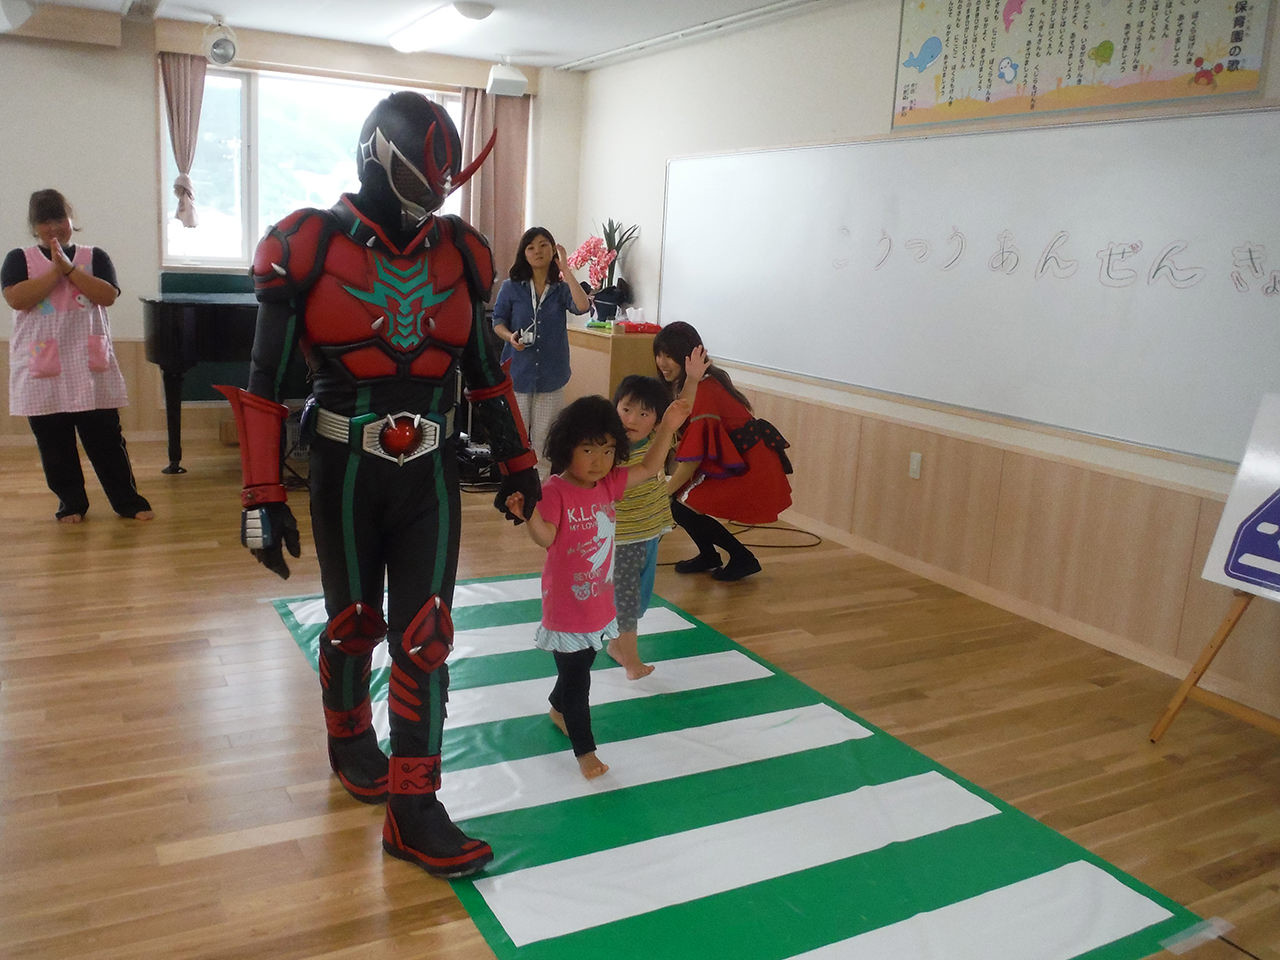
<point>599,254</point>
<point>597,258</point>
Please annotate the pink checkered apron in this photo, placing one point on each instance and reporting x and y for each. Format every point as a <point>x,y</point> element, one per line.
<point>60,355</point>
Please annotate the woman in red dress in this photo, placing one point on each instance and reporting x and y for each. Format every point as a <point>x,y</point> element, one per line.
<point>729,463</point>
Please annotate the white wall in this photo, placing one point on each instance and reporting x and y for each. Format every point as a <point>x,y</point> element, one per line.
<point>82,119</point>
<point>555,152</point>
<point>817,78</point>
<point>825,77</point>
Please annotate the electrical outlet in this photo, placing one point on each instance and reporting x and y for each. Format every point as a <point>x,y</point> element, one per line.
<point>913,465</point>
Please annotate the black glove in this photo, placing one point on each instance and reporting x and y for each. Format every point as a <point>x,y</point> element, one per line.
<point>265,530</point>
<point>522,481</point>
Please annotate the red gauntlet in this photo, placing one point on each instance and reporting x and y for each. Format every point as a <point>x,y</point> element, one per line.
<point>259,426</point>
<point>500,395</point>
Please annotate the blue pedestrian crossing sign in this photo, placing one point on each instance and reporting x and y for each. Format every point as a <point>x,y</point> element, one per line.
<point>1246,548</point>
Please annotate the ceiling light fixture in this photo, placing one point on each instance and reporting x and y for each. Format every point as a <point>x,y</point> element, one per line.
<point>219,43</point>
<point>442,25</point>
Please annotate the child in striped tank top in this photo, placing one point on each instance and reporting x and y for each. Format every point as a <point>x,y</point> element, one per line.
<point>643,516</point>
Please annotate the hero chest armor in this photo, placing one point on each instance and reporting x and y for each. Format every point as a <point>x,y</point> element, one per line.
<point>367,307</point>
<point>372,315</point>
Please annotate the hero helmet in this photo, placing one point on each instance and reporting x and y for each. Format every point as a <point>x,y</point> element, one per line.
<point>414,143</point>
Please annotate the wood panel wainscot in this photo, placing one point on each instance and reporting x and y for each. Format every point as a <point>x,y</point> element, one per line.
<point>1105,543</point>
<point>601,359</point>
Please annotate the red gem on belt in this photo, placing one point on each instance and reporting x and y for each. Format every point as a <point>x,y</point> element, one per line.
<point>401,435</point>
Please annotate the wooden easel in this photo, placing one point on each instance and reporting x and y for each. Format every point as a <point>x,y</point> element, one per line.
<point>1189,689</point>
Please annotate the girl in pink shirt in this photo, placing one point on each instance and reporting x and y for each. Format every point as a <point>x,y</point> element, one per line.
<point>574,521</point>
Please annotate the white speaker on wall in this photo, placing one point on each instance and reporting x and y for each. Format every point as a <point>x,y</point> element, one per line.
<point>506,81</point>
<point>219,43</point>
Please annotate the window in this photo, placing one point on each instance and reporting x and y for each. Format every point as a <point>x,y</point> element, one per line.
<point>269,143</point>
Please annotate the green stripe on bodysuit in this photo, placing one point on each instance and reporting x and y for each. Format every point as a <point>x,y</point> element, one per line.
<point>437,689</point>
<point>349,501</point>
<point>290,331</point>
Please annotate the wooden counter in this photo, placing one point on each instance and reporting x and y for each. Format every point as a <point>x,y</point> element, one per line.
<point>600,360</point>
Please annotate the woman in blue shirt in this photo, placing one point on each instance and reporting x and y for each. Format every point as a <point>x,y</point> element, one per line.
<point>529,315</point>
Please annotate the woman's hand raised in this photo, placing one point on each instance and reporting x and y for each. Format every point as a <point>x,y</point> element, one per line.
<point>697,364</point>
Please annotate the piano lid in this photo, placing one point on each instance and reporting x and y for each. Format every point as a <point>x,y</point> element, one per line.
<point>215,299</point>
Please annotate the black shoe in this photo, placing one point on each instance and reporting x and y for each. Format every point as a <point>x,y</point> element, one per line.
<point>418,829</point>
<point>699,564</point>
<point>739,568</point>
<point>360,765</point>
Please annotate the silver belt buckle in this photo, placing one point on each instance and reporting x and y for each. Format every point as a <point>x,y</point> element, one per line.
<point>377,434</point>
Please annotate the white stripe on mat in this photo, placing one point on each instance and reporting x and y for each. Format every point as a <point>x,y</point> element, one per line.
<point>509,638</point>
<point>308,612</point>
<point>1054,916</point>
<point>583,892</point>
<point>517,637</point>
<point>527,698</point>
<point>552,778</point>
<point>496,591</point>
<point>311,611</point>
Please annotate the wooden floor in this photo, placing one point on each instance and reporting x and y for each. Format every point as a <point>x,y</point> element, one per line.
<point>166,793</point>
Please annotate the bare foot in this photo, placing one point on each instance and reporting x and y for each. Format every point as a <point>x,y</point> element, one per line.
<point>592,766</point>
<point>71,518</point>
<point>622,649</point>
<point>558,719</point>
<point>144,515</point>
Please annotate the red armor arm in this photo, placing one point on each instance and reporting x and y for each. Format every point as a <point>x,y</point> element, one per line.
<point>290,255</point>
<point>492,401</point>
<point>489,389</point>
<point>258,425</point>
<point>477,258</point>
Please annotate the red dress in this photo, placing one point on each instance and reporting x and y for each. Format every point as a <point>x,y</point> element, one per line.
<point>750,487</point>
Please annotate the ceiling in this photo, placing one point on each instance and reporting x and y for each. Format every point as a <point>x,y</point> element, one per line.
<point>573,34</point>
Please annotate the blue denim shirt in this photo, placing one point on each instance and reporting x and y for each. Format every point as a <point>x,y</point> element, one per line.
<point>544,365</point>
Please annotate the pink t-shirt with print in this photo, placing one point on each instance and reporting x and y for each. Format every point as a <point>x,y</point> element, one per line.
<point>577,580</point>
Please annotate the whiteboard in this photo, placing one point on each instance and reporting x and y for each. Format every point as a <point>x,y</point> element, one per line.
<point>1119,279</point>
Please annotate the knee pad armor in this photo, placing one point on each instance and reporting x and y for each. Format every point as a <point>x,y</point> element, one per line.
<point>356,630</point>
<point>428,640</point>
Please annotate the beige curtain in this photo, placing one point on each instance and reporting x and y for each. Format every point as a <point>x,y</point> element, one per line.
<point>493,200</point>
<point>183,77</point>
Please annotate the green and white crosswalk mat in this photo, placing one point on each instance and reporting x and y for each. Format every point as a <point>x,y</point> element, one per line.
<point>744,816</point>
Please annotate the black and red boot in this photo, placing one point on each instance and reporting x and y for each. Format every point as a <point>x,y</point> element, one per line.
<point>345,657</point>
<point>354,754</point>
<point>417,827</point>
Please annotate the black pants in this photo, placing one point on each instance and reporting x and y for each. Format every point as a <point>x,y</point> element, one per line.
<point>571,696</point>
<point>377,522</point>
<point>103,443</point>
<point>707,533</point>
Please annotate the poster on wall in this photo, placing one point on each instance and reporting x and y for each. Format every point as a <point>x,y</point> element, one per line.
<point>974,59</point>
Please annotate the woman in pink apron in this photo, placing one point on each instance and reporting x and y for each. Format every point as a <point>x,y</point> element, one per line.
<point>63,375</point>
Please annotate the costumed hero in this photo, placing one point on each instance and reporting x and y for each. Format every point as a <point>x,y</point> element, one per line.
<point>385,300</point>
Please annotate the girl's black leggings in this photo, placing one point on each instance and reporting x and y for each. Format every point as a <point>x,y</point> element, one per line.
<point>571,696</point>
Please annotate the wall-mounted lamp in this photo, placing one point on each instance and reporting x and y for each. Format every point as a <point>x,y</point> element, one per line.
<point>219,43</point>
<point>13,14</point>
<point>441,25</point>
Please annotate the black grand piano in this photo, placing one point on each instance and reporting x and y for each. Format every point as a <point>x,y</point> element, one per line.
<point>182,329</point>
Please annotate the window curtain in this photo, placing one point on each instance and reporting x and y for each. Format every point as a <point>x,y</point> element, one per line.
<point>183,78</point>
<point>493,200</point>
